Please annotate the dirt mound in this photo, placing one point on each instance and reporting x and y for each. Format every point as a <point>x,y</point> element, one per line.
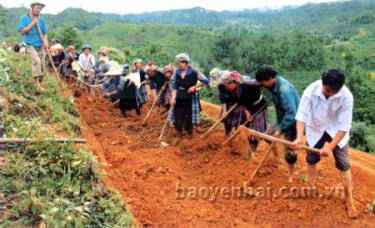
<point>200,182</point>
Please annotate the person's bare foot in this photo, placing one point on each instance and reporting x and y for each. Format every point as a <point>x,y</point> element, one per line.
<point>352,211</point>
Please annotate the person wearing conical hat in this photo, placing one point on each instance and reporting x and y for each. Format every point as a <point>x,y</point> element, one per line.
<point>100,69</point>
<point>127,92</point>
<point>111,83</point>
<point>58,54</point>
<point>35,43</point>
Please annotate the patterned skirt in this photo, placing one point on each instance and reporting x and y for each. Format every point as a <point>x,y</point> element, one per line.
<point>196,109</point>
<point>142,92</point>
<point>238,116</point>
<point>165,97</point>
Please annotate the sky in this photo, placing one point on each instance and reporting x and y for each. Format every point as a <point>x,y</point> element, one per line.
<point>139,6</point>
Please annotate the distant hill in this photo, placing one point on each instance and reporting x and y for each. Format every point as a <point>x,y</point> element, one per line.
<point>340,19</point>
<point>336,18</point>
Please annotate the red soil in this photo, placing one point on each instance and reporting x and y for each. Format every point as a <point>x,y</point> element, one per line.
<point>150,178</point>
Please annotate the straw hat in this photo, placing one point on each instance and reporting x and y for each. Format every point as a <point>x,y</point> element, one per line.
<point>114,70</point>
<point>37,2</point>
<point>57,47</point>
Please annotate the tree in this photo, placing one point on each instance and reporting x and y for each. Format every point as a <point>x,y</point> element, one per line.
<point>361,137</point>
<point>3,22</point>
<point>68,35</point>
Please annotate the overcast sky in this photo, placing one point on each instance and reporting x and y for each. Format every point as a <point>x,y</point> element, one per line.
<point>139,6</point>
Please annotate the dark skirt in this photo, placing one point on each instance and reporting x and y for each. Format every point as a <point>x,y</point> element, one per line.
<point>196,109</point>
<point>128,104</point>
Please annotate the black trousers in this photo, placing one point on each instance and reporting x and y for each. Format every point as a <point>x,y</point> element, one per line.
<point>183,118</point>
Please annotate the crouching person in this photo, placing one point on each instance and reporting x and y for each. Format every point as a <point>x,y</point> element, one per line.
<point>326,111</point>
<point>111,84</point>
<point>159,82</point>
<point>245,92</point>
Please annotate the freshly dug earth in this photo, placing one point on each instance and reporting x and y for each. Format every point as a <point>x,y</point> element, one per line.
<point>199,183</point>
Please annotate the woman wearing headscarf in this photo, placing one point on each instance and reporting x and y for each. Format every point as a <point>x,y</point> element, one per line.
<point>166,90</point>
<point>184,87</point>
<point>158,82</point>
<point>245,92</point>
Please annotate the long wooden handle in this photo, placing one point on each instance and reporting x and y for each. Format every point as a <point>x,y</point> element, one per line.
<point>27,140</point>
<point>88,85</point>
<point>267,154</point>
<point>278,140</point>
<point>152,107</point>
<point>48,52</point>
<point>165,125</point>
<point>115,103</point>
<point>247,121</point>
<point>219,121</point>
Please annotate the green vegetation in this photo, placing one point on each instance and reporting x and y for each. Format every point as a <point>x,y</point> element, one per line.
<point>57,185</point>
<point>300,42</point>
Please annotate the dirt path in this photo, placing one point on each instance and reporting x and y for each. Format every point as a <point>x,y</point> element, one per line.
<point>199,182</point>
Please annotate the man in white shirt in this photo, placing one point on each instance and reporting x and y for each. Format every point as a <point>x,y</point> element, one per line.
<point>87,60</point>
<point>326,110</point>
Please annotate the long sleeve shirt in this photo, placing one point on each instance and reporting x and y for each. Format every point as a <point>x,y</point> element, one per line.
<point>286,102</point>
<point>325,115</point>
<point>87,61</point>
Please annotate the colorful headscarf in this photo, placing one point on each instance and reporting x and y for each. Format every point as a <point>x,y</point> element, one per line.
<point>231,76</point>
<point>183,57</point>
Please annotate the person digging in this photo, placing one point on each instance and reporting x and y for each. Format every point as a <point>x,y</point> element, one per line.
<point>326,111</point>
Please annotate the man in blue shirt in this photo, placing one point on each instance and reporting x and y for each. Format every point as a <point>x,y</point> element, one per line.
<point>286,101</point>
<point>34,42</point>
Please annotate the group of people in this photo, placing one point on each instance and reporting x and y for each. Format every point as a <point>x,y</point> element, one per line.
<point>176,89</point>
<point>324,112</point>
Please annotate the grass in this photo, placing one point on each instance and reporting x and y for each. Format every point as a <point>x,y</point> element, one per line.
<point>56,185</point>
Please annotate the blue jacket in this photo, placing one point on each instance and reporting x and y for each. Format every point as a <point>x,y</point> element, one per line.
<point>286,100</point>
